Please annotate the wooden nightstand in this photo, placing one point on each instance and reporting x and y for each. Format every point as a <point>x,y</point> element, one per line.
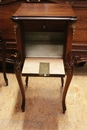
<point>44,35</point>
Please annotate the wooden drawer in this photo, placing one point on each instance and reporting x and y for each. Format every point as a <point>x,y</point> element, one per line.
<point>44,26</point>
<point>80,35</point>
<point>82,18</point>
<point>81,24</point>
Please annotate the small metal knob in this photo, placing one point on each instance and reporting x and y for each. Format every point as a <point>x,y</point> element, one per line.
<point>44,26</point>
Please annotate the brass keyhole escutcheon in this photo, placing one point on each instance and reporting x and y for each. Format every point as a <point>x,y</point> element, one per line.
<point>44,26</point>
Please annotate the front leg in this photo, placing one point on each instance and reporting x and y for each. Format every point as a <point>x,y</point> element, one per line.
<point>3,45</point>
<point>68,80</point>
<point>4,64</point>
<point>17,69</point>
<point>72,60</point>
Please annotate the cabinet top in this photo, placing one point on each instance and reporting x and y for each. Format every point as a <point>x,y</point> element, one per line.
<point>44,11</point>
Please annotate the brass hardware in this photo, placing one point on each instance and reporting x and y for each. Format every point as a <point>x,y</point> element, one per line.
<point>15,30</point>
<point>73,28</point>
<point>66,2</point>
<point>32,0</point>
<point>44,26</point>
<point>15,55</point>
<point>72,3</point>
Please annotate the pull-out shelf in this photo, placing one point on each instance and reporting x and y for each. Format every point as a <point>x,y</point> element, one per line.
<point>43,67</point>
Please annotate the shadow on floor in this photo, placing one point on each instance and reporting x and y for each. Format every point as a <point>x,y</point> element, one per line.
<point>43,104</point>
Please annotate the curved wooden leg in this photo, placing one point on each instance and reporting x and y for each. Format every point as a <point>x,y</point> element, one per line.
<point>19,79</point>
<point>4,61</point>
<point>5,77</point>
<point>71,61</point>
<point>68,80</point>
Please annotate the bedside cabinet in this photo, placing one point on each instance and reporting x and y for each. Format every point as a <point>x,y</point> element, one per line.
<point>44,34</point>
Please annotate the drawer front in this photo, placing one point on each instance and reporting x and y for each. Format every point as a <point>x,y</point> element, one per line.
<point>44,25</point>
<point>81,24</point>
<point>82,18</point>
<point>80,35</point>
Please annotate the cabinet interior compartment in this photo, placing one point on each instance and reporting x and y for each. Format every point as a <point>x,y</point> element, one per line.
<point>44,44</point>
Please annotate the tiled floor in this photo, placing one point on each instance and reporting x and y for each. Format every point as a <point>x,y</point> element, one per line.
<point>43,104</point>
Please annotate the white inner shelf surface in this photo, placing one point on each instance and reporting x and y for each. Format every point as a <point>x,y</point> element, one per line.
<point>31,66</point>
